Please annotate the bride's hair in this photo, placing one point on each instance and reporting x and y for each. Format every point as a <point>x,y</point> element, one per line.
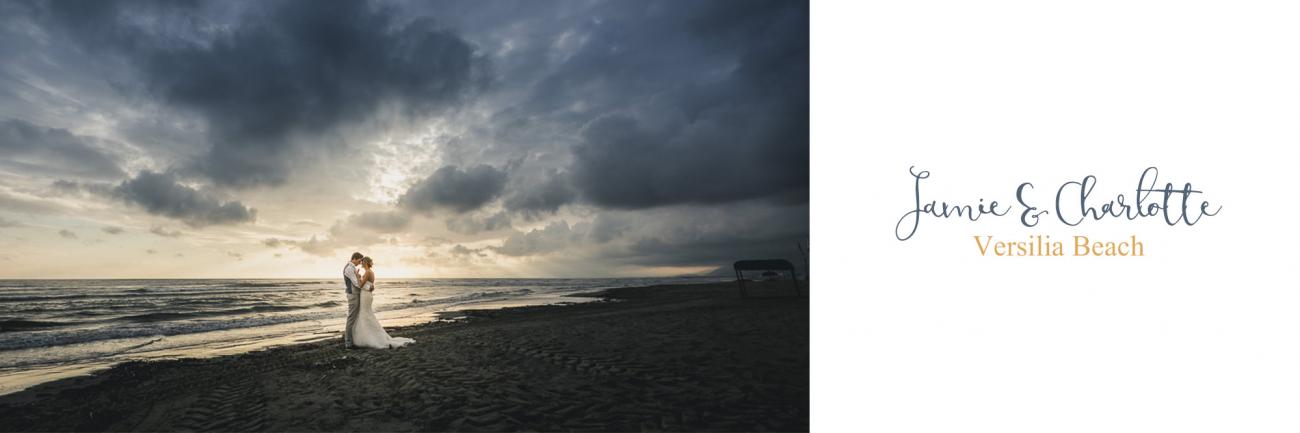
<point>367,261</point>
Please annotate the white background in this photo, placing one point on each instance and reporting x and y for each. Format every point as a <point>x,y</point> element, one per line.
<point>1202,334</point>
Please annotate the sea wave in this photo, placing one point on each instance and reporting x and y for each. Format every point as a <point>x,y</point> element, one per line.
<point>10,325</point>
<point>177,323</point>
<point>150,294</point>
<point>188,307</point>
<point>169,316</point>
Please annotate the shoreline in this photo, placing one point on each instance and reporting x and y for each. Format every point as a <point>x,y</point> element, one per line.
<point>669,357</point>
<point>238,340</point>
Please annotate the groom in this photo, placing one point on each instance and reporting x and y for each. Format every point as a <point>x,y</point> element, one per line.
<point>350,278</point>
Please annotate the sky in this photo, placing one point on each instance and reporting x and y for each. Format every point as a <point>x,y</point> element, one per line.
<point>272,139</point>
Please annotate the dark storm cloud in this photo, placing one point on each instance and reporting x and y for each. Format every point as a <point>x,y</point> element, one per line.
<point>381,221</point>
<point>676,236</point>
<point>534,200</point>
<point>434,241</point>
<point>113,230</point>
<point>474,224</point>
<point>605,228</point>
<point>33,205</point>
<point>67,234</point>
<point>465,252</point>
<point>554,237</point>
<point>67,187</point>
<point>622,163</point>
<point>164,232</point>
<point>316,247</point>
<point>64,186</point>
<point>282,74</point>
<point>452,188</point>
<point>716,249</point>
<point>748,233</point>
<point>696,102</point>
<point>35,150</point>
<point>313,246</point>
<point>160,194</point>
<point>675,133</point>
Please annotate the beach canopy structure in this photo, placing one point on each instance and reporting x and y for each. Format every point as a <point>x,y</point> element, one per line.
<point>767,266</point>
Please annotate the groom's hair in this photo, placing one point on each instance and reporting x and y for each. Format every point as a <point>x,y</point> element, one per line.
<point>357,256</point>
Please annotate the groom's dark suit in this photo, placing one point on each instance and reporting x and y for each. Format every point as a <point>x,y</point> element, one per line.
<point>354,301</point>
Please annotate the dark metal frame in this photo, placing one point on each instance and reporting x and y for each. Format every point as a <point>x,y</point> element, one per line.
<point>764,265</point>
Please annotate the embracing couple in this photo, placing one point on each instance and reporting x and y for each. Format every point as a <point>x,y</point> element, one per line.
<point>363,329</point>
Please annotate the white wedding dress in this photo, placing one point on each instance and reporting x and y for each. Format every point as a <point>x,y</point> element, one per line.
<point>367,332</point>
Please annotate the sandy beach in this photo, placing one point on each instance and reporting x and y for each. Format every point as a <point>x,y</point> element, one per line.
<point>659,358</point>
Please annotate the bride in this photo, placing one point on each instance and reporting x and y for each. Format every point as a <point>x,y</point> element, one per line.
<point>367,331</point>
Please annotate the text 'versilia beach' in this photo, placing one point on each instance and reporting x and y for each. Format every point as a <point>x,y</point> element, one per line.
<point>1044,245</point>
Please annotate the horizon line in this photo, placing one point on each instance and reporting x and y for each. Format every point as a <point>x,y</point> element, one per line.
<point>319,278</point>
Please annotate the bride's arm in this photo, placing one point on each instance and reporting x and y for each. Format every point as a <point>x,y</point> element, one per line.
<point>370,276</point>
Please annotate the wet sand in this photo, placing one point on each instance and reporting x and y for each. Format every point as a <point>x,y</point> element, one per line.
<point>660,358</point>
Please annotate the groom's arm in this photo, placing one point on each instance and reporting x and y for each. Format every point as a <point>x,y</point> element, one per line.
<point>359,278</point>
<point>354,277</point>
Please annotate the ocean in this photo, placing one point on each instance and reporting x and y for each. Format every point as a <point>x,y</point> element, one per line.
<point>51,329</point>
